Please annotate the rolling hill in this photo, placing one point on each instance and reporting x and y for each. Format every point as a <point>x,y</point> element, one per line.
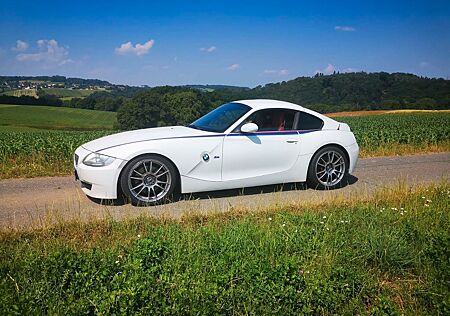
<point>48,117</point>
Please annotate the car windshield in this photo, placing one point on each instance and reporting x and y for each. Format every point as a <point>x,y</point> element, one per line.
<point>221,118</point>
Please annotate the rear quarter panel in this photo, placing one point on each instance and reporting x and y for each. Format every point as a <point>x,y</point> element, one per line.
<point>311,142</point>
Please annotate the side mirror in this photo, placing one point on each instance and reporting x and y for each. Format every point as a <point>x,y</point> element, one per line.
<point>249,128</point>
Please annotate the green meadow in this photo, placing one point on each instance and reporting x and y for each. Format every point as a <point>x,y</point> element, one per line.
<point>58,118</point>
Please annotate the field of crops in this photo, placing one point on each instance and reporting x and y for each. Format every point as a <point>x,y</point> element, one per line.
<point>29,152</point>
<point>411,129</point>
<point>50,117</point>
<point>71,93</point>
<point>21,92</point>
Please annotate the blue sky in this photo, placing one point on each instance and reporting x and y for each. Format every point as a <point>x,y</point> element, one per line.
<point>222,42</point>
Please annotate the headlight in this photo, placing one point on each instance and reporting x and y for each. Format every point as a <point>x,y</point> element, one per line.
<point>97,160</point>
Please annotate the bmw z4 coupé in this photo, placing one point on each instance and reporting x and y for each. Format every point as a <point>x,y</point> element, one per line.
<point>239,144</point>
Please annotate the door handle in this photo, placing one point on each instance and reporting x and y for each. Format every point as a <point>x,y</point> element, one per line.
<point>292,141</point>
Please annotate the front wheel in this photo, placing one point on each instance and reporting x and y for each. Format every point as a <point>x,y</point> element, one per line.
<point>148,180</point>
<point>328,168</point>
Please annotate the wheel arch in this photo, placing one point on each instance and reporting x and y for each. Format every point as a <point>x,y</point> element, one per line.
<point>119,188</point>
<point>347,155</point>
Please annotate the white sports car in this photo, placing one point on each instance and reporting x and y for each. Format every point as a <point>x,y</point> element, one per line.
<point>239,144</point>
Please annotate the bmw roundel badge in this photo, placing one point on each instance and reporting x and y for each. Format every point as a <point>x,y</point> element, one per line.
<point>205,157</point>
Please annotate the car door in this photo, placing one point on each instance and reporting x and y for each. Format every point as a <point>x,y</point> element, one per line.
<point>269,152</point>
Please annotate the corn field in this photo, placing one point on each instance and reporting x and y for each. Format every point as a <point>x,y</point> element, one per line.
<point>38,152</point>
<point>417,129</point>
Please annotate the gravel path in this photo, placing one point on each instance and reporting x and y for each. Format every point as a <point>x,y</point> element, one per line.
<point>39,202</point>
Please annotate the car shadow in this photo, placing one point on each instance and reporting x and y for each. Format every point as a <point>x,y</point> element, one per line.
<point>297,186</point>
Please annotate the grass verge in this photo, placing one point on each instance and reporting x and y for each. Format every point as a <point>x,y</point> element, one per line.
<point>395,149</point>
<point>388,254</point>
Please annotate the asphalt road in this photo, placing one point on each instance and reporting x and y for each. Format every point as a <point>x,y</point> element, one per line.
<point>38,202</point>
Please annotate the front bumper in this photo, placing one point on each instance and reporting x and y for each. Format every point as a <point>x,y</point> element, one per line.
<point>97,182</point>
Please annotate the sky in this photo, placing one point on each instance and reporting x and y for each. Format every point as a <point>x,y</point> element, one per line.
<point>243,43</point>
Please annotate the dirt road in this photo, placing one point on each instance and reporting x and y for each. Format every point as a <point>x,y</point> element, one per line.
<point>41,201</point>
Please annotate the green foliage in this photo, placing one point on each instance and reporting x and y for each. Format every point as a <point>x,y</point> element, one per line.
<point>55,118</point>
<point>43,100</point>
<point>338,92</point>
<point>422,129</point>
<point>53,144</point>
<point>28,152</point>
<point>384,258</point>
<point>160,107</point>
<point>359,91</point>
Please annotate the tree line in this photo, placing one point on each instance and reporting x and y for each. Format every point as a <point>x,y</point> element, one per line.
<point>332,93</point>
<point>49,100</point>
<point>148,107</point>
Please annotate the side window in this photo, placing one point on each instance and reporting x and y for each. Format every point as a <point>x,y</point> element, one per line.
<point>307,121</point>
<point>271,120</point>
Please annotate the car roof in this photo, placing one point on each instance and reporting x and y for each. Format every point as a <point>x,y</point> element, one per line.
<point>260,104</point>
<point>268,103</point>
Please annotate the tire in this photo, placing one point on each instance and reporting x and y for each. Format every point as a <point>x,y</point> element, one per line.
<point>328,168</point>
<point>149,180</point>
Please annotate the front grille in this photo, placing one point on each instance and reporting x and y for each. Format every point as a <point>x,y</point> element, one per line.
<point>75,157</point>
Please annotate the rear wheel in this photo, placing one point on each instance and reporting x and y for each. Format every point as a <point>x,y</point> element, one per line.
<point>148,180</point>
<point>328,168</point>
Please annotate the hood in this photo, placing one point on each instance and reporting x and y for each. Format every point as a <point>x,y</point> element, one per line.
<point>142,135</point>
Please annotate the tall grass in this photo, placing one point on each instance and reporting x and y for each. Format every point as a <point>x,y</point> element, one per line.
<point>387,255</point>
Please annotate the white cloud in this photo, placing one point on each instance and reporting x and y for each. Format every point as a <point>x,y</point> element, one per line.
<point>350,70</point>
<point>49,53</point>
<point>208,49</point>
<point>20,46</point>
<point>329,69</point>
<point>344,28</point>
<point>279,72</point>
<point>233,67</point>
<point>138,49</point>
<point>424,64</point>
